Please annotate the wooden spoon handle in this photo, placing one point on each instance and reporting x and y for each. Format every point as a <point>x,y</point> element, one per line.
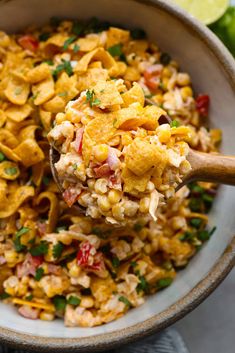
<point>211,167</point>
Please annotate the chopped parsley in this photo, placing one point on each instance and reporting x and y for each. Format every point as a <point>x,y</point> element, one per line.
<point>125,301</point>
<point>164,282</point>
<point>4,295</point>
<point>60,302</point>
<point>90,98</point>
<point>195,205</point>
<point>187,236</point>
<point>22,231</point>
<point>2,157</point>
<point>138,33</point>
<point>143,285</point>
<point>174,123</point>
<point>68,41</point>
<point>17,241</point>
<point>115,262</point>
<point>44,36</point>
<point>115,50</point>
<point>76,48</point>
<point>39,273</point>
<point>49,62</point>
<point>40,249</point>
<point>29,297</point>
<point>57,250</point>
<point>165,59</point>
<point>196,189</point>
<point>195,222</point>
<point>11,171</point>
<point>64,66</point>
<point>74,300</point>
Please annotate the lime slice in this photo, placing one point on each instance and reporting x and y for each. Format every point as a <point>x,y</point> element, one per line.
<point>206,11</point>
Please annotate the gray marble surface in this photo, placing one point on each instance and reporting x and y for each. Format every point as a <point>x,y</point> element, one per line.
<point>211,327</point>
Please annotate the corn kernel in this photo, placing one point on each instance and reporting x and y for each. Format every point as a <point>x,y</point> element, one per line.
<point>87,302</point>
<point>60,117</point>
<point>164,136</point>
<point>46,316</point>
<point>186,92</point>
<point>91,183</point>
<point>147,248</point>
<point>126,139</point>
<point>166,72</point>
<point>114,196</point>
<point>101,152</point>
<point>130,208</point>
<point>74,271</point>
<point>183,79</point>
<point>118,212</point>
<point>103,203</point>
<point>101,186</point>
<point>144,204</point>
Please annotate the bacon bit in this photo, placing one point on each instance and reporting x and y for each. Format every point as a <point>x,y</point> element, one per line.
<point>42,228</point>
<point>28,42</point>
<point>88,258</point>
<point>29,266</point>
<point>78,140</point>
<point>71,195</point>
<point>103,171</point>
<point>202,104</point>
<point>28,313</point>
<point>152,76</point>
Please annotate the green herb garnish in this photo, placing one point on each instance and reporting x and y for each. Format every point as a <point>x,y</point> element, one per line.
<point>76,48</point>
<point>60,302</point>
<point>49,62</point>
<point>195,222</point>
<point>174,123</point>
<point>39,273</point>
<point>187,236</point>
<point>74,300</point>
<point>22,231</point>
<point>44,36</point>
<point>29,297</point>
<point>2,157</point>
<point>57,250</point>
<point>143,285</point>
<point>90,98</point>
<point>68,41</point>
<point>115,262</point>
<point>64,66</point>
<point>40,249</point>
<point>125,301</point>
<point>195,204</point>
<point>4,295</point>
<point>164,282</point>
<point>115,50</point>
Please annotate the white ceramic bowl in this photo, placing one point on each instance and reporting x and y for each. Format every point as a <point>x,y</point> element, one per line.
<point>213,71</point>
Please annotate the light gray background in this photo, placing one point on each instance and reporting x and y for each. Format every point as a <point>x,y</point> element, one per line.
<point>211,327</point>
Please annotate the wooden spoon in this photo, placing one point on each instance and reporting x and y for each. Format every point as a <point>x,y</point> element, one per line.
<point>214,168</point>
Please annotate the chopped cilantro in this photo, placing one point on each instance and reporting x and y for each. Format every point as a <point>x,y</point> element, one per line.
<point>76,48</point>
<point>165,58</point>
<point>164,282</point>
<point>18,246</point>
<point>57,250</point>
<point>40,249</point>
<point>64,66</point>
<point>4,295</point>
<point>174,123</point>
<point>22,231</point>
<point>44,36</point>
<point>115,262</point>
<point>2,157</point>
<point>138,33</point>
<point>74,300</point>
<point>115,50</point>
<point>60,302</point>
<point>143,285</point>
<point>203,235</point>
<point>11,171</point>
<point>90,98</point>
<point>49,62</point>
<point>196,189</point>
<point>125,301</point>
<point>29,297</point>
<point>207,198</point>
<point>137,227</point>
<point>195,204</point>
<point>187,236</point>
<point>39,273</point>
<point>195,222</point>
<point>68,41</point>
<point>46,180</point>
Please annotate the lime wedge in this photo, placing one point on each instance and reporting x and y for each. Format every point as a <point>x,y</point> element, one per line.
<point>207,11</point>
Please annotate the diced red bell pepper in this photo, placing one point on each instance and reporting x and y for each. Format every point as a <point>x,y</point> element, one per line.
<point>37,260</point>
<point>88,258</point>
<point>71,195</point>
<point>28,42</point>
<point>152,75</point>
<point>84,253</point>
<point>78,140</point>
<point>202,104</point>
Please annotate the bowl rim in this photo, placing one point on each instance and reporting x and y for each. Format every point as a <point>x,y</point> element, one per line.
<point>192,299</point>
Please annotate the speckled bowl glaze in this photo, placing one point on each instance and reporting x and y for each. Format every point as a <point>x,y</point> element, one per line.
<point>212,70</point>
